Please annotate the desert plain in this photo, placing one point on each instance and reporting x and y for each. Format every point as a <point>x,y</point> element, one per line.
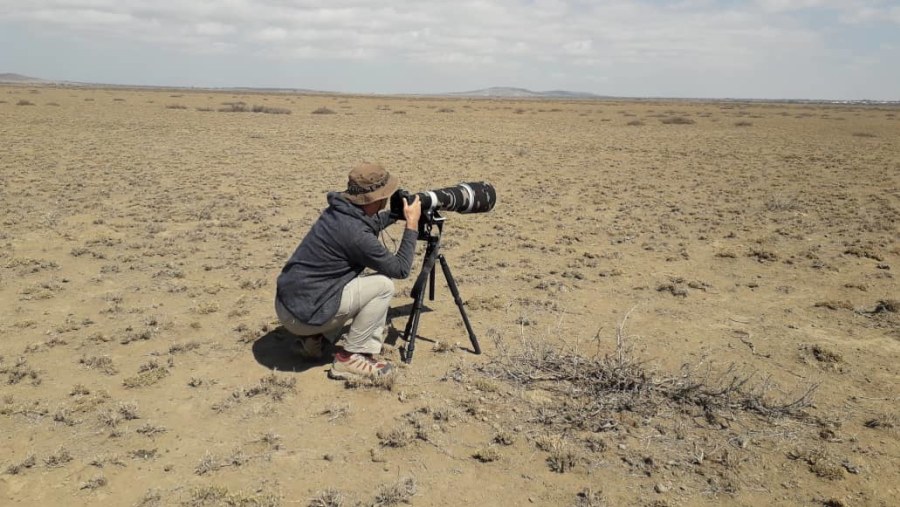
<point>678,302</point>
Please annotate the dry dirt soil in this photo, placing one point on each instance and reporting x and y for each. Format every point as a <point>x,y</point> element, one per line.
<point>679,303</point>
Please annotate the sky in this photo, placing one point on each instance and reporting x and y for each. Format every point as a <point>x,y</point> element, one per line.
<point>764,49</point>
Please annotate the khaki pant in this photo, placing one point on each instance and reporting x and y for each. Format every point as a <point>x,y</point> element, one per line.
<point>365,301</point>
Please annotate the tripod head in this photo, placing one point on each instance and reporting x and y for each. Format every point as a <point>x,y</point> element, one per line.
<point>430,219</point>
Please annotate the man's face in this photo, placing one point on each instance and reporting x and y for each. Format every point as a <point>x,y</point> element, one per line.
<point>375,207</point>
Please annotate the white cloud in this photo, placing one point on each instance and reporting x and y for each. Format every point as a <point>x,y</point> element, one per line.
<point>575,37</point>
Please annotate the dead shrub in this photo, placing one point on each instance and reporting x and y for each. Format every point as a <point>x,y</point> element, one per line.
<point>618,382</point>
<point>270,110</point>
<point>176,106</point>
<point>487,454</point>
<point>393,494</point>
<point>385,382</point>
<point>234,107</point>
<point>24,102</point>
<point>677,120</point>
<point>782,203</point>
<point>835,305</point>
<point>323,110</point>
<point>327,498</point>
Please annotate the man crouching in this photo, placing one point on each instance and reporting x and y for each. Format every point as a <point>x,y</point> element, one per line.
<point>321,287</point>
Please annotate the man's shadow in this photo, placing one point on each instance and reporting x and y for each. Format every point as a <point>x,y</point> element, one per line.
<point>274,350</point>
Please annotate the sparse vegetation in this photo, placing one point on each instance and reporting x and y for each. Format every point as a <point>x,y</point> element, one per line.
<point>138,248</point>
<point>677,120</point>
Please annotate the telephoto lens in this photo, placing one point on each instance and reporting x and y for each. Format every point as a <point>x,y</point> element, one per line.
<point>471,197</point>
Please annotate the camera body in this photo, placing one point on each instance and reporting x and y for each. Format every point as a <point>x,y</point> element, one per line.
<point>471,197</point>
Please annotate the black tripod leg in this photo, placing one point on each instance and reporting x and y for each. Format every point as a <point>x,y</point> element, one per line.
<point>412,327</point>
<point>459,302</point>
<point>418,293</point>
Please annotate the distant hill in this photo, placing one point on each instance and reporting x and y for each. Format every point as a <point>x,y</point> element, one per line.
<point>19,78</point>
<point>509,92</point>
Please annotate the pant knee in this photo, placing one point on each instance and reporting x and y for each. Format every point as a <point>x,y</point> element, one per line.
<point>386,286</point>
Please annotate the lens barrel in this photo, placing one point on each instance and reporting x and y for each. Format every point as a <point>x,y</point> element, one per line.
<point>471,197</point>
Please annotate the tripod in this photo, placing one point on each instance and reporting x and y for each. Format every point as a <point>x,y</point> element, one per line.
<point>430,228</point>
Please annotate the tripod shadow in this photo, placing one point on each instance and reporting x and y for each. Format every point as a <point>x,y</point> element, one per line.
<point>395,334</point>
<point>273,350</point>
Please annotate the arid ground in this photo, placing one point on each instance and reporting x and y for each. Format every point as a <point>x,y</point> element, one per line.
<point>679,303</point>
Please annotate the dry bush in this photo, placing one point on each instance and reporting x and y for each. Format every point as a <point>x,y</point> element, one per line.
<point>385,382</point>
<point>782,203</point>
<point>593,390</point>
<point>323,110</point>
<point>220,495</point>
<point>176,106</point>
<point>393,494</point>
<point>635,123</point>
<point>327,498</point>
<point>863,134</point>
<point>29,462</point>
<point>677,120</point>
<point>743,123</point>
<point>270,110</point>
<point>487,454</point>
<point>234,107</point>
<point>445,110</point>
<point>92,484</point>
<point>58,459</point>
<point>24,102</point>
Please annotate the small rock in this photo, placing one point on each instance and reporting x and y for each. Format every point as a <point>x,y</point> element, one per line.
<point>661,488</point>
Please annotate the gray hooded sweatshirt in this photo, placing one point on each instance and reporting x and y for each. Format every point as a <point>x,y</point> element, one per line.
<point>339,246</point>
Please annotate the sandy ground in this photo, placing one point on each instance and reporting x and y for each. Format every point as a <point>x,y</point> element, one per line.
<point>745,245</point>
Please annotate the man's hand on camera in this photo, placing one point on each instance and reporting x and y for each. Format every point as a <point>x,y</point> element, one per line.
<point>412,212</point>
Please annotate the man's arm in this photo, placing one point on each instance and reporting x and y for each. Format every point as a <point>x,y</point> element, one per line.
<point>384,219</point>
<point>370,253</point>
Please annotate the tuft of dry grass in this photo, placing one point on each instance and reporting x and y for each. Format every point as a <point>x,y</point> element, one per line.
<point>393,494</point>
<point>147,378</point>
<point>102,363</point>
<point>270,110</point>
<point>323,110</point>
<point>29,462</point>
<point>677,120</point>
<point>327,498</point>
<point>94,483</point>
<point>487,454</point>
<point>603,386</point>
<point>58,459</point>
<point>385,382</point>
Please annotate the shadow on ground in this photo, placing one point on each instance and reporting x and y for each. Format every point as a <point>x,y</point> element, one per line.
<point>273,350</point>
